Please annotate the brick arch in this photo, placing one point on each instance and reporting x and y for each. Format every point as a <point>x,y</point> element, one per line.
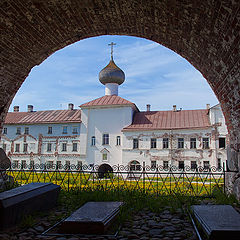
<point>205,32</point>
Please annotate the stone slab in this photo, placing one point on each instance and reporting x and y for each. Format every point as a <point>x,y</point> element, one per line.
<point>91,218</point>
<point>26,199</point>
<point>218,221</point>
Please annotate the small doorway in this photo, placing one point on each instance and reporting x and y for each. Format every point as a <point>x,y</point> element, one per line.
<point>105,171</point>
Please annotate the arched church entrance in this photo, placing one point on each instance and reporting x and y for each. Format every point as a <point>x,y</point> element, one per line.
<point>206,35</point>
<point>105,171</point>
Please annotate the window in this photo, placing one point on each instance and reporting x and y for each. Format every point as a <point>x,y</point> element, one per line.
<point>165,165</point>
<point>153,164</point>
<point>64,147</point>
<point>5,130</point>
<point>49,147</point>
<point>79,165</point>
<point>165,142</point>
<point>181,165</point>
<point>4,146</point>
<point>180,142</point>
<point>26,130</point>
<point>205,143</point>
<point>75,147</point>
<point>193,143</point>
<point>135,166</point>
<point>31,164</point>
<point>18,131</point>
<point>64,131</point>
<point>24,164</point>
<point>75,130</point>
<point>206,165</point>
<point>17,147</point>
<point>93,141</point>
<point>222,142</point>
<point>105,139</point>
<point>219,163</point>
<point>193,165</point>
<point>67,165</point>
<point>49,164</point>
<point>153,143</point>
<point>135,143</point>
<point>25,147</point>
<point>15,164</point>
<point>104,157</point>
<point>49,130</point>
<point>58,165</point>
<point>118,143</point>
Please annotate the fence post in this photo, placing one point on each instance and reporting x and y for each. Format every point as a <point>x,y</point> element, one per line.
<point>144,190</point>
<point>224,178</point>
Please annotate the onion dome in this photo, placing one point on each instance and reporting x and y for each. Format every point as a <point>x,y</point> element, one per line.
<point>111,74</point>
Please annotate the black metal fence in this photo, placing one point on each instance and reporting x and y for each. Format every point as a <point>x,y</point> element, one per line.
<point>157,180</point>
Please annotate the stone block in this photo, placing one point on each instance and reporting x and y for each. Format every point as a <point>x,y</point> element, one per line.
<point>91,218</point>
<point>236,188</point>
<point>20,201</point>
<point>219,222</point>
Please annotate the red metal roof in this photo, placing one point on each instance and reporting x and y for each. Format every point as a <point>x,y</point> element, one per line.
<point>108,100</point>
<point>51,116</point>
<point>183,119</point>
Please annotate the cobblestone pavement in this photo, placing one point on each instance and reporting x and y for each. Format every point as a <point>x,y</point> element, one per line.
<point>144,225</point>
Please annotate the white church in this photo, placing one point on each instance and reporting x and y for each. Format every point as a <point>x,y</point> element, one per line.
<point>111,130</point>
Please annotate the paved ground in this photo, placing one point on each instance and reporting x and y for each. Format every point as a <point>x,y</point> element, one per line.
<point>144,225</point>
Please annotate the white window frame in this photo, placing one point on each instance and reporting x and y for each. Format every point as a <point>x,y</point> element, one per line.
<point>64,130</point>
<point>64,147</point>
<point>135,143</point>
<point>105,139</point>
<point>26,130</point>
<point>93,141</point>
<point>118,140</point>
<point>75,149</point>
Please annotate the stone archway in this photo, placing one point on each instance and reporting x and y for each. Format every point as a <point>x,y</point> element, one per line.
<point>206,33</point>
<point>104,171</point>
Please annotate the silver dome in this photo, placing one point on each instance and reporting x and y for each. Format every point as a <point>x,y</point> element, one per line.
<point>111,74</point>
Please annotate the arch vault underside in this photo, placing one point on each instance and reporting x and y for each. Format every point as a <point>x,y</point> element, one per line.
<point>205,32</point>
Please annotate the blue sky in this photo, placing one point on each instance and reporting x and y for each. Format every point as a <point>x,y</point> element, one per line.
<point>154,75</point>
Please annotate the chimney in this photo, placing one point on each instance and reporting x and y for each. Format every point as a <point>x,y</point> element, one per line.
<point>148,107</point>
<point>16,108</point>
<point>70,106</point>
<point>30,108</point>
<point>174,108</point>
<point>208,106</point>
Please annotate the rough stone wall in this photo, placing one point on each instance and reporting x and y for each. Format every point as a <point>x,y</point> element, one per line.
<point>205,32</point>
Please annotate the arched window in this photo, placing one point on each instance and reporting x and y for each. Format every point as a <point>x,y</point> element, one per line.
<point>93,141</point>
<point>135,166</point>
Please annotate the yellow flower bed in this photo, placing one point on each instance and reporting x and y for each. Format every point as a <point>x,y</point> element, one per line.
<point>81,181</point>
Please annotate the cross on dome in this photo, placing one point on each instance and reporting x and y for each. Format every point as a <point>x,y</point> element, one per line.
<point>112,44</point>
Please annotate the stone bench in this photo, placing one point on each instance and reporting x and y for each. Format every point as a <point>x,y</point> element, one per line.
<point>91,218</point>
<point>20,201</point>
<point>219,222</point>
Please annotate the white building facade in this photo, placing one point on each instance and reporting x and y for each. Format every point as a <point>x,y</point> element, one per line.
<point>111,131</point>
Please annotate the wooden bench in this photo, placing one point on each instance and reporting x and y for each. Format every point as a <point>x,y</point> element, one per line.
<point>20,201</point>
